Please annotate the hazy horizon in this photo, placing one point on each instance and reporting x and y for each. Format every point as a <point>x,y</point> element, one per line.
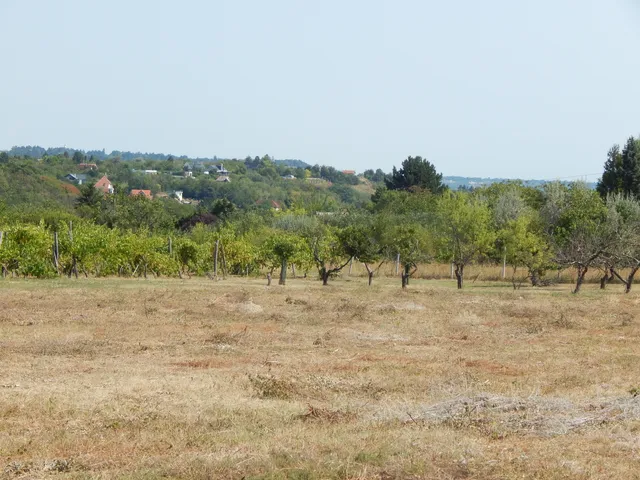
<point>497,89</point>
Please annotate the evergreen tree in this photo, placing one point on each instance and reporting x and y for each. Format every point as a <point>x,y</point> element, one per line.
<point>630,168</point>
<point>416,173</point>
<point>611,181</point>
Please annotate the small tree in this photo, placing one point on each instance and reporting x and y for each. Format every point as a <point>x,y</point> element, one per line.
<point>465,231</point>
<point>363,242</point>
<point>624,217</point>
<point>411,242</point>
<point>580,228</point>
<point>280,249</point>
<point>328,252</point>
<point>525,246</point>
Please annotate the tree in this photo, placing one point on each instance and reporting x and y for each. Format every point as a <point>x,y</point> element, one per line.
<point>363,242</point>
<point>624,214</point>
<point>579,225</point>
<point>611,181</point>
<point>78,157</point>
<point>279,249</point>
<point>328,252</point>
<point>465,230</point>
<point>416,173</point>
<point>525,246</point>
<point>4,157</point>
<point>90,196</point>
<point>631,168</point>
<point>411,242</point>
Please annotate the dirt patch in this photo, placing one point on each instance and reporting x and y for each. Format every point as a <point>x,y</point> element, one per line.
<point>249,308</point>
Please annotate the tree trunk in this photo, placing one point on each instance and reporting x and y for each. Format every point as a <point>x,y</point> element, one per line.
<point>324,274</point>
<point>407,274</point>
<point>283,272</point>
<point>269,279</point>
<point>369,273</point>
<point>404,281</point>
<point>534,279</point>
<point>460,275</point>
<point>582,272</point>
<point>632,274</point>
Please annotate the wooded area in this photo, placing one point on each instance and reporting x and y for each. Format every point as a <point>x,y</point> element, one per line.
<point>265,220</point>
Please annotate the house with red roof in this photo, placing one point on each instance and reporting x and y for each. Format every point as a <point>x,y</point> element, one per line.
<point>144,193</point>
<point>105,185</point>
<point>272,203</point>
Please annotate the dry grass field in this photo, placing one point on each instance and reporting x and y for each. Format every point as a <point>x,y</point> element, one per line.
<point>195,379</point>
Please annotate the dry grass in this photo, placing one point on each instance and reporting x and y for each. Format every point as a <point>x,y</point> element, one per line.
<point>196,379</point>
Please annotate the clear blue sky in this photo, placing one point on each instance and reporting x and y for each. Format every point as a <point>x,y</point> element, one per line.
<point>529,89</point>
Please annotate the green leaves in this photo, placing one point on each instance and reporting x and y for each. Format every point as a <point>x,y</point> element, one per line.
<point>464,232</point>
<point>416,173</point>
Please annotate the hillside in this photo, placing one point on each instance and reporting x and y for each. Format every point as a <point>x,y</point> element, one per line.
<point>21,185</point>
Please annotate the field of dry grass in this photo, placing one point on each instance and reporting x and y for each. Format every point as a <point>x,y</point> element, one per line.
<point>195,379</point>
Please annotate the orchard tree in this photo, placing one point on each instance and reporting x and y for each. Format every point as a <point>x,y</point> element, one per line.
<point>328,252</point>
<point>280,249</point>
<point>526,246</point>
<point>580,228</point>
<point>465,230</point>
<point>415,174</point>
<point>624,214</point>
<point>363,241</point>
<point>411,242</point>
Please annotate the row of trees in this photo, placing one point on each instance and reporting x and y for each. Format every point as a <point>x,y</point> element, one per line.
<point>534,230</point>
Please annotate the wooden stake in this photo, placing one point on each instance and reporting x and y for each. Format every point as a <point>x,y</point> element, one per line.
<point>215,260</point>
<point>224,262</point>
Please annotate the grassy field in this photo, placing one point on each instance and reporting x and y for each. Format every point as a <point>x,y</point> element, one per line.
<point>199,379</point>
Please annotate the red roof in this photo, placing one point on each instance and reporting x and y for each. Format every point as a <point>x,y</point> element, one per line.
<point>104,184</point>
<point>349,172</point>
<point>273,203</point>
<point>146,193</point>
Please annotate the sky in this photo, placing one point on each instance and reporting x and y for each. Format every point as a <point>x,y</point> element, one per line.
<point>499,88</point>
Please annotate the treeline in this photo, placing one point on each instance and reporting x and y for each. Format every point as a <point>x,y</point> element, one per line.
<point>36,152</point>
<point>536,231</point>
<point>412,218</point>
<point>253,181</point>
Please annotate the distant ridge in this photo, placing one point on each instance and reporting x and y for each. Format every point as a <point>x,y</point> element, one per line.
<point>38,152</point>
<point>452,181</point>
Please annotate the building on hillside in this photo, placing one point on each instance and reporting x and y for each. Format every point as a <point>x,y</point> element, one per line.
<point>151,172</point>
<point>223,178</point>
<point>289,177</point>
<point>88,166</point>
<point>220,170</point>
<point>144,193</point>
<point>272,204</point>
<point>77,178</point>
<point>317,181</point>
<point>161,195</point>
<point>105,185</point>
<point>349,172</point>
<point>178,195</point>
<point>188,174</point>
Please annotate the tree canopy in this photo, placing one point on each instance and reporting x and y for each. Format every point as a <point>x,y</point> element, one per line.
<point>415,173</point>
